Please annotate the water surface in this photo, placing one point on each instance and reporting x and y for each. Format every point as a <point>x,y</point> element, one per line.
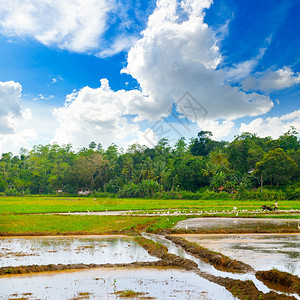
<point>103,283</point>
<point>261,251</point>
<point>70,250</point>
<point>238,223</point>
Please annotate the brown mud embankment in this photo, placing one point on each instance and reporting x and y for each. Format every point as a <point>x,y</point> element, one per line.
<point>244,290</point>
<point>218,260</point>
<point>160,251</point>
<point>281,281</point>
<point>18,270</point>
<point>61,267</point>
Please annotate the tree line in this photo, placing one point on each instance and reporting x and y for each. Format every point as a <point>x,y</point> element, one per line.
<point>247,163</point>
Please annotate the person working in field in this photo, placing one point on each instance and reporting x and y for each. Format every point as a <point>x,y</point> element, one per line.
<point>275,205</point>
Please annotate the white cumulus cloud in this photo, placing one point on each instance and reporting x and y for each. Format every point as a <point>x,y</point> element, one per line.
<point>271,80</point>
<point>13,133</point>
<point>14,142</point>
<point>10,92</point>
<point>219,128</point>
<point>177,53</point>
<point>98,115</point>
<point>272,126</point>
<point>74,25</point>
<point>122,43</point>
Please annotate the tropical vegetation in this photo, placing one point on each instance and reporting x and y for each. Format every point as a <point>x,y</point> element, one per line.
<point>247,167</point>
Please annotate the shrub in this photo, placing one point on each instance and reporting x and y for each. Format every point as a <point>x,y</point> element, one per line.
<point>193,196</point>
<point>292,194</point>
<point>146,188</point>
<point>12,192</point>
<point>266,195</point>
<point>215,196</point>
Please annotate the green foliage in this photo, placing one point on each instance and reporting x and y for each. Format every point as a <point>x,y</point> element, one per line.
<point>293,191</point>
<point>203,144</point>
<point>277,165</point>
<point>266,195</point>
<point>246,163</point>
<point>243,153</point>
<point>146,188</point>
<point>190,174</point>
<point>169,195</point>
<point>12,192</point>
<point>289,141</point>
<point>215,196</point>
<point>209,195</point>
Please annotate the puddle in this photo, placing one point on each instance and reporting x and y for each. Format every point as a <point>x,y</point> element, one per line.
<point>70,250</point>
<point>237,223</point>
<point>261,251</point>
<point>102,283</point>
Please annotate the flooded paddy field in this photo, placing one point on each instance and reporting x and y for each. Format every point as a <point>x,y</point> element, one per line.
<point>105,283</point>
<point>261,251</point>
<point>17,251</point>
<point>158,278</point>
<point>240,224</point>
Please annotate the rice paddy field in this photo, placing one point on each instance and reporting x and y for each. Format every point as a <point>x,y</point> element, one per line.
<point>36,204</point>
<point>88,244</point>
<point>41,215</point>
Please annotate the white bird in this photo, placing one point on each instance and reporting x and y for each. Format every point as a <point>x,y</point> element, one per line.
<point>237,214</point>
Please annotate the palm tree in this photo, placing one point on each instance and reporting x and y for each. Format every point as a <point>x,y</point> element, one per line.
<point>156,171</point>
<point>219,158</point>
<point>146,169</point>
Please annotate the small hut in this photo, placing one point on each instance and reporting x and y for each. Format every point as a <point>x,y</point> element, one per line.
<point>84,191</point>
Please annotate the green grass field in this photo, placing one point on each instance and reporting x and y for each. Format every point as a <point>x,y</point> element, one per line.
<point>25,205</point>
<point>16,214</point>
<point>64,224</point>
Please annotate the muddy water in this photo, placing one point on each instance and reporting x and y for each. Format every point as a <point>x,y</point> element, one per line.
<point>102,283</point>
<point>261,251</point>
<point>205,267</point>
<point>68,250</point>
<point>237,223</point>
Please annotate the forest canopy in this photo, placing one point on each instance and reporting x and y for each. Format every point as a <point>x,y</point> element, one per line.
<point>248,163</point>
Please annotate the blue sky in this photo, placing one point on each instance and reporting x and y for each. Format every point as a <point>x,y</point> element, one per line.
<point>238,59</point>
